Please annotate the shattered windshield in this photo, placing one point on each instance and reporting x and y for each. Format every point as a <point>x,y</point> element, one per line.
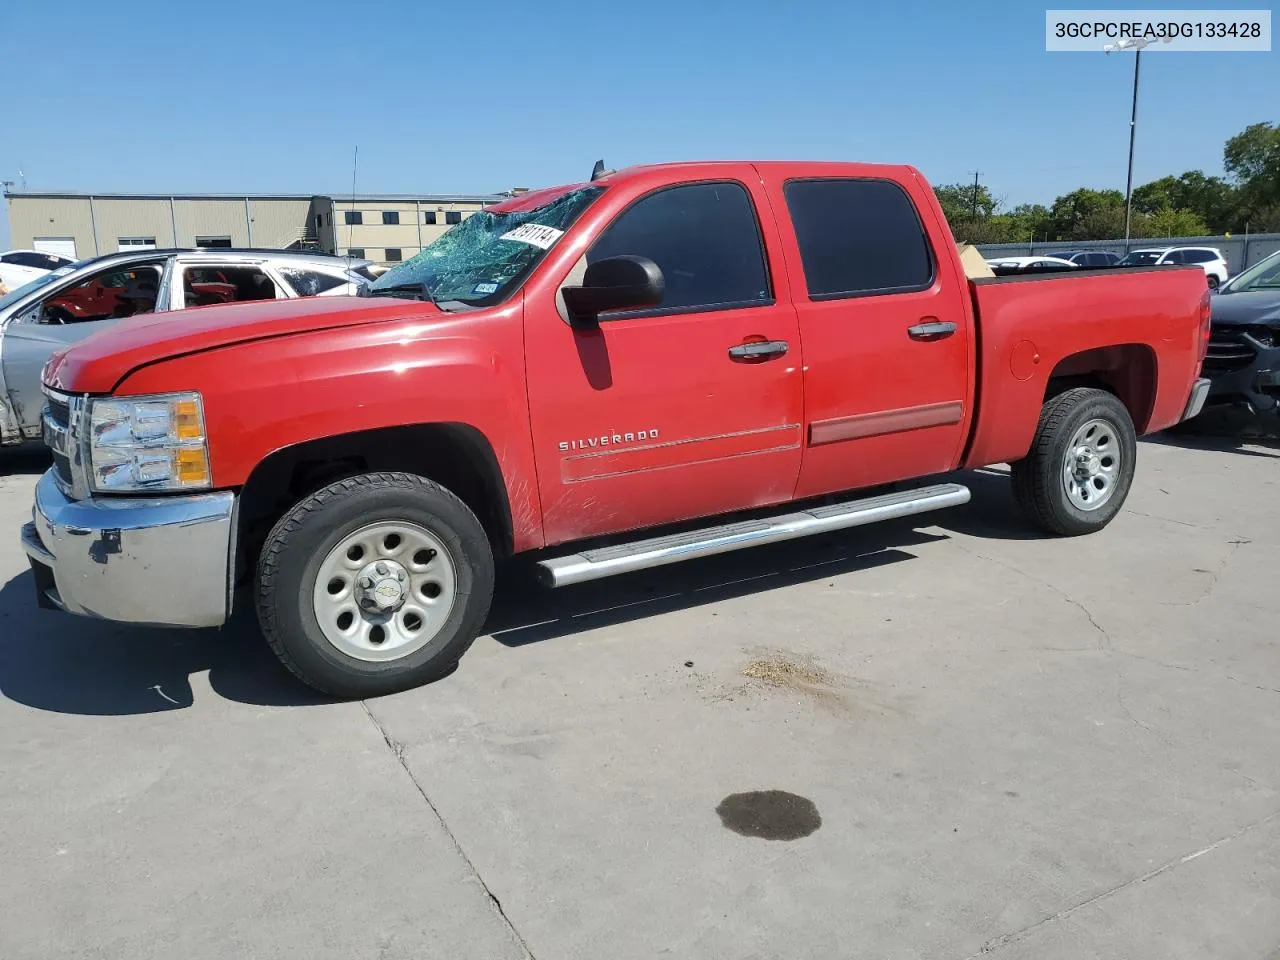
<point>485,257</point>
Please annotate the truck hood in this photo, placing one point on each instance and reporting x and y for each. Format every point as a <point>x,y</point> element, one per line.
<point>98,363</point>
<point>1251,308</point>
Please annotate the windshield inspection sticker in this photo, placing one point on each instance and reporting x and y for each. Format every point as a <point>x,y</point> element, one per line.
<point>534,233</point>
<point>486,287</point>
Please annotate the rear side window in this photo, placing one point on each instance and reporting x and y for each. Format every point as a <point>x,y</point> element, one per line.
<point>705,239</point>
<point>1198,256</point>
<point>22,258</point>
<point>309,283</point>
<point>858,238</point>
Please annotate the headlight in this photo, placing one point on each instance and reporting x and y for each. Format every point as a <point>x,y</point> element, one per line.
<point>148,443</point>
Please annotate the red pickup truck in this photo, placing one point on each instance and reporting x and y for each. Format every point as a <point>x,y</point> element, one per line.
<point>662,363</point>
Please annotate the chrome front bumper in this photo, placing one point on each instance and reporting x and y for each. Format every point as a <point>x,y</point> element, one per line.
<point>1195,403</point>
<point>158,560</point>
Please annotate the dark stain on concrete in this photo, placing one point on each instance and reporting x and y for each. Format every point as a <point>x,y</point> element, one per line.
<point>769,815</point>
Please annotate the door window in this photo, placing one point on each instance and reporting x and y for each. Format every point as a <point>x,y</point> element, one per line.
<point>117,292</point>
<point>207,285</point>
<point>309,283</point>
<point>858,238</point>
<point>706,240</point>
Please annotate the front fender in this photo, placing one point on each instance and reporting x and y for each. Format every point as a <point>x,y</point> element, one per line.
<point>263,396</point>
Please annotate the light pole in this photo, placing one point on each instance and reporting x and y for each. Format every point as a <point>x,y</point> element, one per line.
<point>1137,46</point>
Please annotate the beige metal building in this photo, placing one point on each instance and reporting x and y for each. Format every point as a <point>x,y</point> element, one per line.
<point>385,228</point>
<point>393,227</point>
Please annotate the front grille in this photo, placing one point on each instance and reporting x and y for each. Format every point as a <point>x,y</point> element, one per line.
<point>1228,352</point>
<point>57,434</point>
<point>60,410</point>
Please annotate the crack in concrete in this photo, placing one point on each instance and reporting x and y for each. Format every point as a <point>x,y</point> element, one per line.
<point>1105,641</point>
<point>1152,516</point>
<point>1247,683</point>
<point>1005,939</point>
<point>397,750</point>
<point>1235,545</point>
<point>1104,638</point>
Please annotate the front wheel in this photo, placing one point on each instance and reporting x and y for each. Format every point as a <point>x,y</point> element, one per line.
<point>376,583</point>
<point>1080,467</point>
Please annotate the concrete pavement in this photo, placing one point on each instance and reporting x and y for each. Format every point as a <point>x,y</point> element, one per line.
<point>1016,746</point>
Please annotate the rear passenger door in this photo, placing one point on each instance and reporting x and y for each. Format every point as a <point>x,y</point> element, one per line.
<point>884,327</point>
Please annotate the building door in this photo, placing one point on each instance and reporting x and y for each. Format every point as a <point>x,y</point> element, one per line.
<point>62,246</point>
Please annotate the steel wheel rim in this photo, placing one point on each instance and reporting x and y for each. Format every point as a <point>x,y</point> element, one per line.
<point>367,609</point>
<point>1091,469</point>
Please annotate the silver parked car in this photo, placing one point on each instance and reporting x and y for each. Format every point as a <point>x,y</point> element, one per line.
<point>68,304</point>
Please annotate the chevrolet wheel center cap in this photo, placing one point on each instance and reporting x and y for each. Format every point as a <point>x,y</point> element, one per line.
<point>388,593</point>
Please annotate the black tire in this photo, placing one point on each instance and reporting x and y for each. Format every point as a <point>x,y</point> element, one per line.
<point>1038,478</point>
<point>1213,283</point>
<point>304,536</point>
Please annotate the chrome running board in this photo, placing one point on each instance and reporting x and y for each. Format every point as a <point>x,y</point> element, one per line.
<point>705,542</point>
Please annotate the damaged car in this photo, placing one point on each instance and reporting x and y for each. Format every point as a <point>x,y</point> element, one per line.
<point>1243,362</point>
<point>68,304</point>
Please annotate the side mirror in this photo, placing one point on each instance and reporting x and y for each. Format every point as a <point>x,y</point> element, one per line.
<point>615,283</point>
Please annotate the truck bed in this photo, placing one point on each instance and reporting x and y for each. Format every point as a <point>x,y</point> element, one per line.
<point>1023,345</point>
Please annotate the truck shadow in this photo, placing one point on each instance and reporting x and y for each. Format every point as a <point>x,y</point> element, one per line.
<point>1227,430</point>
<point>30,459</point>
<point>56,662</point>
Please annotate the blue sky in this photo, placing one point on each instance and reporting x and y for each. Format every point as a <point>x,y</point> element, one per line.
<point>463,97</point>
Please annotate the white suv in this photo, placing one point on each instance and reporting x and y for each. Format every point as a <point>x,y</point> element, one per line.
<point>1210,258</point>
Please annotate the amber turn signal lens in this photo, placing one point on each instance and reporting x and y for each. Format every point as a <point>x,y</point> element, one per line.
<point>187,420</point>
<point>192,466</point>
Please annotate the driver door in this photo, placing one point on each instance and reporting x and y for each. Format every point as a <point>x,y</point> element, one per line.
<point>59,319</point>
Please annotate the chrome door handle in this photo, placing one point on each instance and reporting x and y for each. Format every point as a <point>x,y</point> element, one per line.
<point>758,350</point>
<point>934,330</point>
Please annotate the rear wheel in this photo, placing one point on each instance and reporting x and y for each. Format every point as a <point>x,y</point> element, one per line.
<point>376,583</point>
<point>1213,282</point>
<point>1080,467</point>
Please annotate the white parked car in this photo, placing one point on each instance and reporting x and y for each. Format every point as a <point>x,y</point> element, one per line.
<point>1002,266</point>
<point>1210,258</point>
<point>22,266</point>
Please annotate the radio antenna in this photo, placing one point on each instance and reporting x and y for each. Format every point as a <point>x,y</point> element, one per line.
<point>355,162</point>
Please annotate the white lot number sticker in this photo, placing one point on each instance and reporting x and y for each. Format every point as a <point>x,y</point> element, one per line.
<point>534,233</point>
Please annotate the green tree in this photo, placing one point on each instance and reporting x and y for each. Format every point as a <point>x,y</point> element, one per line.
<point>1086,214</point>
<point>1169,222</point>
<point>1212,199</point>
<point>957,201</point>
<point>1029,221</point>
<point>1252,159</point>
<point>1156,195</point>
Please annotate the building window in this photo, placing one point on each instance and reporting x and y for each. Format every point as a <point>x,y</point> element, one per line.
<point>355,253</point>
<point>319,221</point>
<point>352,218</point>
<point>390,218</point>
<point>393,255</point>
<point>213,241</point>
<point>429,217</point>
<point>137,243</point>
<point>453,216</point>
